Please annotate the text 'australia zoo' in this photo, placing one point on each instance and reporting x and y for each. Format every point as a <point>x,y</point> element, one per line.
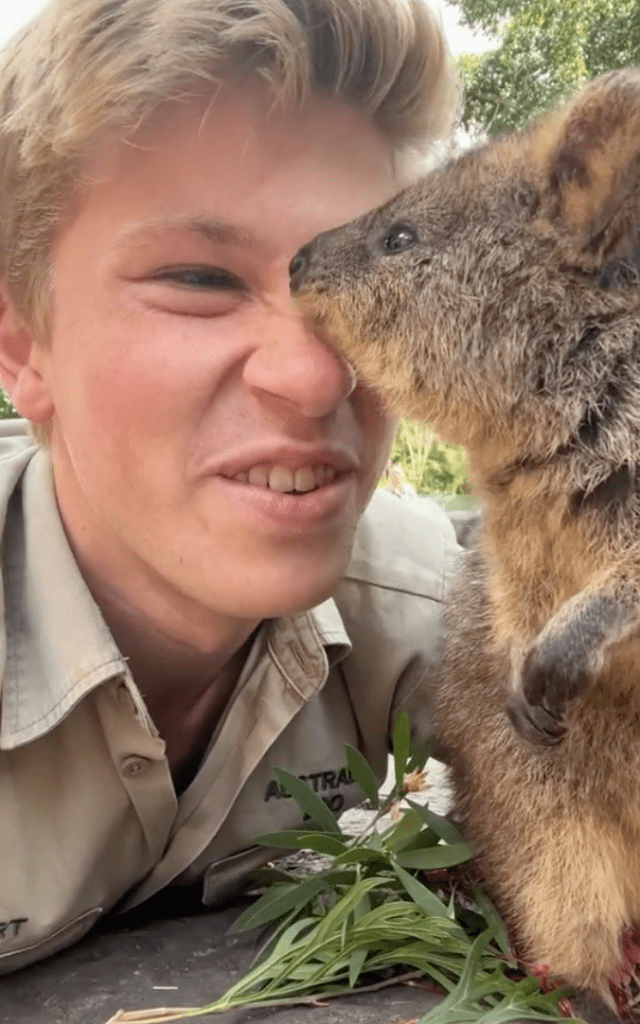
<point>326,781</point>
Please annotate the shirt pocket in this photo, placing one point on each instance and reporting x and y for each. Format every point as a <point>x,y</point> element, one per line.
<point>66,936</point>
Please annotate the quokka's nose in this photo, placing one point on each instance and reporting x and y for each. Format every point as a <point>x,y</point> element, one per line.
<point>298,266</point>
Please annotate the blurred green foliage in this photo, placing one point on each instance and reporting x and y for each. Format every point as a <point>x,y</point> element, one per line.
<point>7,412</point>
<point>429,465</point>
<point>545,49</point>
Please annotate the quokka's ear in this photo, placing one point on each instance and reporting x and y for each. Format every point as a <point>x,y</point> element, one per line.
<point>588,157</point>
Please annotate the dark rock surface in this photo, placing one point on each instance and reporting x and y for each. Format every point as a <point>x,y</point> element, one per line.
<point>139,963</point>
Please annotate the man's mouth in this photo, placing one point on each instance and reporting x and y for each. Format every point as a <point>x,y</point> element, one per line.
<point>288,481</point>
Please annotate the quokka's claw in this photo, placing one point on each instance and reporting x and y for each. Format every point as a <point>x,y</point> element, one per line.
<point>535,723</point>
<point>551,679</point>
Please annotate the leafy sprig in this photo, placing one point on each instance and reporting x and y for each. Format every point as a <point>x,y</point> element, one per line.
<point>377,914</point>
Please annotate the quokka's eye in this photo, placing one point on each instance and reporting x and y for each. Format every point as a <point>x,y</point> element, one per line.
<point>399,238</point>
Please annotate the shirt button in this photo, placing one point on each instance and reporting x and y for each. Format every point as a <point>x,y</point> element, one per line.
<point>132,767</point>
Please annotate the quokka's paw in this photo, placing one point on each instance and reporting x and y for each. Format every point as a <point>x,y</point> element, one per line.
<point>534,723</point>
<point>552,676</point>
<point>549,679</point>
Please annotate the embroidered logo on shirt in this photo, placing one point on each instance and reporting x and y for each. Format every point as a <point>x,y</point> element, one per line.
<point>9,929</point>
<point>320,782</point>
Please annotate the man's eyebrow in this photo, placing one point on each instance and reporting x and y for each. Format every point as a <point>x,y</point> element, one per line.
<point>217,231</point>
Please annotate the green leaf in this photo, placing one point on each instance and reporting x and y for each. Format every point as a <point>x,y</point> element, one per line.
<point>337,877</point>
<point>362,908</point>
<point>240,993</point>
<point>347,904</point>
<point>288,937</point>
<point>362,774</point>
<point>424,839</point>
<point>361,855</point>
<point>374,841</point>
<point>436,857</point>
<point>276,902</point>
<point>464,992</point>
<point>420,894</point>
<point>443,828</point>
<point>494,920</point>
<point>299,839</point>
<point>420,755</point>
<point>356,963</point>
<point>404,831</point>
<point>400,745</point>
<point>309,801</point>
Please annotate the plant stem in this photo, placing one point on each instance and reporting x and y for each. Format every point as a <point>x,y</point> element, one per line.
<point>184,1012</point>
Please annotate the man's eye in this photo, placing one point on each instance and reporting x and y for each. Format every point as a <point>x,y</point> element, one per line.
<point>200,278</point>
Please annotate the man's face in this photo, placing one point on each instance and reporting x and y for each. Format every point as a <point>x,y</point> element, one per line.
<point>182,379</point>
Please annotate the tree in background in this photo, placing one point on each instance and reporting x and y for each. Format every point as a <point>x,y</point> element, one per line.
<point>428,465</point>
<point>7,411</point>
<point>545,49</point>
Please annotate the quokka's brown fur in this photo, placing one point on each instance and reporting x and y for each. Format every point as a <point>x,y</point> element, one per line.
<point>499,300</point>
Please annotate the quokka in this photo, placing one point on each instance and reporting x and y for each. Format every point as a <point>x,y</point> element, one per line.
<point>498,298</point>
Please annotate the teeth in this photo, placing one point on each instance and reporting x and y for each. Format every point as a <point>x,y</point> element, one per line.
<point>305,479</point>
<point>283,479</point>
<point>259,476</point>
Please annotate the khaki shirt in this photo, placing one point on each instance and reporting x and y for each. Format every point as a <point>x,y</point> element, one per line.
<point>90,817</point>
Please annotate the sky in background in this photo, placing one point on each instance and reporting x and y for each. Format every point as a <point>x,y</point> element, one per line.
<point>461,38</point>
<point>13,16</point>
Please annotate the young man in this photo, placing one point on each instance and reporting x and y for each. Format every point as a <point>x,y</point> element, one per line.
<point>191,595</point>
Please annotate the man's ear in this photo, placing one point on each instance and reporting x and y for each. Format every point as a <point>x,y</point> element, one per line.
<point>589,160</point>
<point>20,364</point>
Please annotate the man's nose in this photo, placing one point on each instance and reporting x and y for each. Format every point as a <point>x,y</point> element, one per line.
<point>299,371</point>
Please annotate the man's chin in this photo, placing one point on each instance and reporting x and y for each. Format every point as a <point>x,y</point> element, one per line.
<point>303,600</point>
<point>291,594</point>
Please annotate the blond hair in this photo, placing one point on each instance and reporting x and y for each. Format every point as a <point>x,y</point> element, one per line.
<point>83,67</point>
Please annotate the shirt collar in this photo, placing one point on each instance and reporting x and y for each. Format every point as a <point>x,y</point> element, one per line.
<point>57,645</point>
<point>330,630</point>
<point>305,646</point>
